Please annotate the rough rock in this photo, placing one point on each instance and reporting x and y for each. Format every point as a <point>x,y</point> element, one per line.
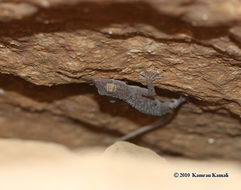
<point>50,51</point>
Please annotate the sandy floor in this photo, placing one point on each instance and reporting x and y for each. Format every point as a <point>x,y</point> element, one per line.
<point>35,165</point>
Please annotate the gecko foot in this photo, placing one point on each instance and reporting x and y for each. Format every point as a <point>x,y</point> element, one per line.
<point>149,75</point>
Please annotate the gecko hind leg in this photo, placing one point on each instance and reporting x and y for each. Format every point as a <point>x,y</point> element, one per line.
<point>176,102</point>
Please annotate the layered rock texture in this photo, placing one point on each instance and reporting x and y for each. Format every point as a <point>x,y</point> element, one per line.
<point>51,50</point>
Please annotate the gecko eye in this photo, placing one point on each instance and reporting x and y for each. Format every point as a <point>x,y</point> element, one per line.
<point>110,87</point>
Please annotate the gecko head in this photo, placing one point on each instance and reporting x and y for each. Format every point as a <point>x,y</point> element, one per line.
<point>105,86</point>
<point>111,87</point>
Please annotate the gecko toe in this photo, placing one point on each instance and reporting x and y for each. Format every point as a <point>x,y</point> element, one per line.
<point>149,75</point>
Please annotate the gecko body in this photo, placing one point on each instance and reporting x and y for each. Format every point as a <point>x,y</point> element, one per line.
<point>142,99</point>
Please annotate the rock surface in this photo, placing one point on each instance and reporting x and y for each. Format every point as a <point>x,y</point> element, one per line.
<point>51,50</point>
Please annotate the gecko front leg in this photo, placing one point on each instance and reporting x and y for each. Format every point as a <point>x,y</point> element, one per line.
<point>150,77</point>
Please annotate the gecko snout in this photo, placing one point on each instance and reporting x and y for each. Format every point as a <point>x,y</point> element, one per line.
<point>96,81</point>
<point>99,83</point>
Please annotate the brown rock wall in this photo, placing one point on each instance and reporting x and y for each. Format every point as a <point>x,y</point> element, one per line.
<point>50,51</point>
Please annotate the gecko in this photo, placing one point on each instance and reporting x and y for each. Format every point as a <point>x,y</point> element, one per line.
<point>142,99</point>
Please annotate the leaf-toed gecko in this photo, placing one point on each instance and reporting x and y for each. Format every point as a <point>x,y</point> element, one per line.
<point>141,99</point>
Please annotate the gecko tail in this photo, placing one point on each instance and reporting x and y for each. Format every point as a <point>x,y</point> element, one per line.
<point>146,129</point>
